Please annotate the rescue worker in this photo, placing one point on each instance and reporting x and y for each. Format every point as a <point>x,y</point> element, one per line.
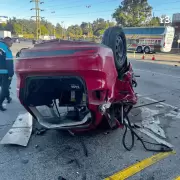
<point>6,70</point>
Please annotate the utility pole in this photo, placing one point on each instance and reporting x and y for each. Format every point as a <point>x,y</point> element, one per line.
<point>37,16</point>
<point>62,28</point>
<point>89,6</point>
<point>54,28</point>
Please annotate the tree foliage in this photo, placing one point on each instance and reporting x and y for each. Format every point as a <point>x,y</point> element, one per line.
<point>100,25</point>
<point>155,21</point>
<point>25,27</point>
<point>134,13</point>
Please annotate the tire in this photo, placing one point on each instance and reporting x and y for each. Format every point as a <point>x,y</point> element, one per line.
<point>147,50</point>
<point>115,39</point>
<point>139,49</point>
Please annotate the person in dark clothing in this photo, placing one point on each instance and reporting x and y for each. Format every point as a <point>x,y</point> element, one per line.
<point>6,70</point>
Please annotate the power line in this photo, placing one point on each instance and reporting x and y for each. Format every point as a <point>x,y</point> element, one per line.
<point>69,7</point>
<point>93,12</point>
<point>20,8</point>
<point>55,5</point>
<point>96,12</point>
<point>105,11</point>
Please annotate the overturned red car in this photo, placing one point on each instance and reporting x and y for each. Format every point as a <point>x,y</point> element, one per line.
<point>77,85</point>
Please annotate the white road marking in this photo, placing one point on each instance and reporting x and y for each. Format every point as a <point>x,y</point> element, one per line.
<point>163,74</point>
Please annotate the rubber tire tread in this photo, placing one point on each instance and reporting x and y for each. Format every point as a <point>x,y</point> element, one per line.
<point>109,39</point>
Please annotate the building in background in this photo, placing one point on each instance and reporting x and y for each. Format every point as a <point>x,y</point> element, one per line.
<point>3,19</point>
<point>4,34</point>
<point>176,25</point>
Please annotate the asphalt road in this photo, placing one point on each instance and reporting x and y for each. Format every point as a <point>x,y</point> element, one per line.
<point>55,154</point>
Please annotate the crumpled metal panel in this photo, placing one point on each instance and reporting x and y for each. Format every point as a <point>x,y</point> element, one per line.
<point>20,132</point>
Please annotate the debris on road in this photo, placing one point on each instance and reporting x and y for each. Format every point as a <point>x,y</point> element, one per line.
<point>24,161</point>
<point>61,178</point>
<point>41,131</point>
<point>174,114</point>
<point>20,132</point>
<point>151,121</point>
<point>160,141</point>
<point>159,106</point>
<point>147,121</point>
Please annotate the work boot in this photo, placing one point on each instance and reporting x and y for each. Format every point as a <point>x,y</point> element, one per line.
<point>9,99</point>
<point>2,108</point>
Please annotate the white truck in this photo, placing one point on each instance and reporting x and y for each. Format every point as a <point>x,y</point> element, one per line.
<point>4,34</point>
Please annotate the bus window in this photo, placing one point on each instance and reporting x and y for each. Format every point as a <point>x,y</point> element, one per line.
<point>147,41</point>
<point>134,41</point>
<point>141,41</point>
<point>152,41</point>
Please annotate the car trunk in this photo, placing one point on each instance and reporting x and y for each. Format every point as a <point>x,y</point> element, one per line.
<point>57,100</point>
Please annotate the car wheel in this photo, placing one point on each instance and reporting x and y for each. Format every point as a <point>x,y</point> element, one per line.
<point>139,49</point>
<point>147,50</point>
<point>115,39</point>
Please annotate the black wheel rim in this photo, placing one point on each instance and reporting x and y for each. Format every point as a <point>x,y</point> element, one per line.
<point>119,49</point>
<point>139,49</point>
<point>146,50</point>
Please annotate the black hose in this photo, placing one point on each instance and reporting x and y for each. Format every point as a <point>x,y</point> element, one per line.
<point>149,104</point>
<point>163,147</point>
<point>124,139</point>
<point>57,108</point>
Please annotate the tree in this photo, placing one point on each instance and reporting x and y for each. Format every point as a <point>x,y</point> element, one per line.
<point>85,28</point>
<point>3,26</point>
<point>133,13</point>
<point>58,30</point>
<point>28,28</point>
<point>17,29</point>
<point>100,25</point>
<point>155,21</point>
<point>74,31</point>
<point>44,30</point>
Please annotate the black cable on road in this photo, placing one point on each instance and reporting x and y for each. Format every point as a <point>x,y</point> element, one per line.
<point>163,147</point>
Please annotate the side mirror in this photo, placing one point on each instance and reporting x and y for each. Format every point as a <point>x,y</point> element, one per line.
<point>18,54</point>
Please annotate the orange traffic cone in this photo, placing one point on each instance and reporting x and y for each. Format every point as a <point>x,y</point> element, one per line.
<point>143,57</point>
<point>153,58</point>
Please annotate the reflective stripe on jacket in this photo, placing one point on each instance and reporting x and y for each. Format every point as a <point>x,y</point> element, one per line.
<point>6,60</point>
